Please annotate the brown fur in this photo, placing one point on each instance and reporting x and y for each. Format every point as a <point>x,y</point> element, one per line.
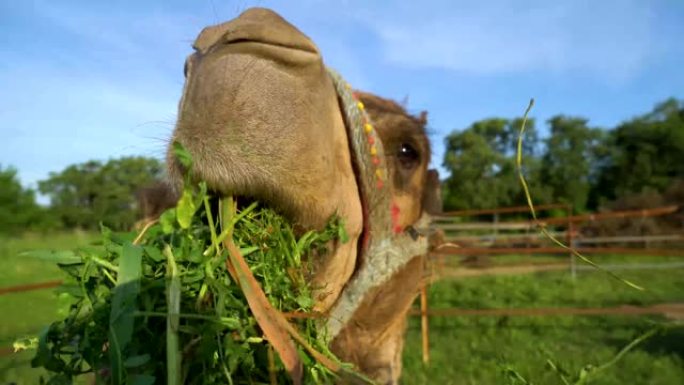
<point>373,340</point>
<point>260,117</point>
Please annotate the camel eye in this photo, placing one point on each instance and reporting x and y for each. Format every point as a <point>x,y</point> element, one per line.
<point>408,156</point>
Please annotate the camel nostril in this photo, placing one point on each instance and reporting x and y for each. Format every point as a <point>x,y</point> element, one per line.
<point>413,232</point>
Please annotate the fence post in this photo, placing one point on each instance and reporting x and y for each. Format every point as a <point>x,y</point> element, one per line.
<point>424,324</point>
<point>496,228</point>
<point>570,239</point>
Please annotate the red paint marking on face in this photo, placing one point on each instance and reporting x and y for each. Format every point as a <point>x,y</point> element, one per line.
<point>396,227</point>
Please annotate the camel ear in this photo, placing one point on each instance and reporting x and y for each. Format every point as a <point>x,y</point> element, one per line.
<point>423,120</point>
<point>432,193</point>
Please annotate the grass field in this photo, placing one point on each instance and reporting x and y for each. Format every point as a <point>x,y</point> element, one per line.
<point>465,350</point>
<point>26,313</point>
<point>484,350</point>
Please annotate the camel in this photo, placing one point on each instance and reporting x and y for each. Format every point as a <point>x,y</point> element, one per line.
<point>264,118</point>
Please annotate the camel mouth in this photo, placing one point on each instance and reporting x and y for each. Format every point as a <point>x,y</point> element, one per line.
<point>303,47</point>
<point>258,26</point>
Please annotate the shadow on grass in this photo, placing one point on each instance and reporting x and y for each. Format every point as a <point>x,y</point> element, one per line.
<point>667,342</point>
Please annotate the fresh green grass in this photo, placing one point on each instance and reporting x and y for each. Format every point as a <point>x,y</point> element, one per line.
<point>15,269</point>
<point>464,350</point>
<point>476,350</point>
<point>24,314</point>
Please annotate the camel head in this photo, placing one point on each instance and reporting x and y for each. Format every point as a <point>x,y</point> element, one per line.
<point>263,119</point>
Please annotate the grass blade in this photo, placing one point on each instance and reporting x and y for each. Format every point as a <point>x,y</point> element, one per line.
<point>57,256</point>
<point>173,288</point>
<point>115,358</point>
<point>526,190</point>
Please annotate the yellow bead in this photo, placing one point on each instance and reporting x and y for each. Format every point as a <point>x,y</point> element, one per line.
<point>378,172</point>
<point>373,150</point>
<point>347,86</point>
<point>368,127</point>
<point>360,105</point>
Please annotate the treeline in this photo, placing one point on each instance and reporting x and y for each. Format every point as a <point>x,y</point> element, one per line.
<point>81,196</point>
<point>640,162</point>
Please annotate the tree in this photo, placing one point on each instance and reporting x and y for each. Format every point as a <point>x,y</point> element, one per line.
<point>481,162</point>
<point>84,195</point>
<point>566,166</point>
<point>18,208</point>
<point>644,153</point>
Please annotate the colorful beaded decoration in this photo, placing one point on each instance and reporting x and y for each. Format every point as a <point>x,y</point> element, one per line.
<point>368,153</point>
<point>387,248</point>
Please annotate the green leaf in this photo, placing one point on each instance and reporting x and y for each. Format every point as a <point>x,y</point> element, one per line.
<point>61,379</point>
<point>185,209</point>
<point>126,293</point>
<point>305,301</point>
<point>182,154</point>
<point>61,256</point>
<point>231,323</point>
<point>167,219</point>
<point>115,358</point>
<point>154,253</point>
<point>43,353</point>
<point>135,361</point>
<point>25,344</point>
<point>142,379</point>
<point>342,232</point>
<point>245,251</point>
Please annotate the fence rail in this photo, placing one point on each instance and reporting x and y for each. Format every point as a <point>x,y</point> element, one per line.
<point>675,309</point>
<point>503,210</point>
<point>29,287</point>
<point>520,237</point>
<point>630,239</point>
<point>465,251</point>
<point>642,213</point>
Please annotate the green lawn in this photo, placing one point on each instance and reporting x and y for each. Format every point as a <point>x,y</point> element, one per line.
<point>475,350</point>
<point>24,314</point>
<point>465,350</point>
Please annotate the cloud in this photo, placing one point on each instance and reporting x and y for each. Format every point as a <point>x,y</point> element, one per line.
<point>90,83</point>
<point>51,120</point>
<point>612,39</point>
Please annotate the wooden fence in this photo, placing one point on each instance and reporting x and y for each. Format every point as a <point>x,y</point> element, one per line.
<point>472,238</point>
<point>477,237</point>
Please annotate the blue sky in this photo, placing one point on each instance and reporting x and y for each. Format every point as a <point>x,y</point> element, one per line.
<point>84,80</point>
